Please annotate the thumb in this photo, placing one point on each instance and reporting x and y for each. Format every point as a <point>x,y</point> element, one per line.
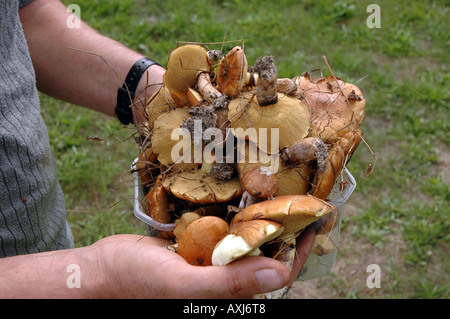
<point>240,279</point>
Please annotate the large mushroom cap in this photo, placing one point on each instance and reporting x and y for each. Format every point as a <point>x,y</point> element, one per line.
<point>331,115</point>
<point>289,115</point>
<point>198,187</point>
<point>294,212</point>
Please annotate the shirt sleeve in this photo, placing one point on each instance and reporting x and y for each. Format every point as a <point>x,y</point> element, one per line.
<point>23,3</point>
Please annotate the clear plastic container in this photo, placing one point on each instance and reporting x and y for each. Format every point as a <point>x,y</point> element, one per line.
<point>316,266</point>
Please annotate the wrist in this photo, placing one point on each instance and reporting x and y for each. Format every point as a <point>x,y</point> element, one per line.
<point>136,82</point>
<point>149,84</point>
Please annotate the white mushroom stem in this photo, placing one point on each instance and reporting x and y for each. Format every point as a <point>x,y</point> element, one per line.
<point>266,88</point>
<point>206,88</point>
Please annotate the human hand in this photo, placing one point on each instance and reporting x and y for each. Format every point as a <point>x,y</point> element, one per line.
<point>140,267</point>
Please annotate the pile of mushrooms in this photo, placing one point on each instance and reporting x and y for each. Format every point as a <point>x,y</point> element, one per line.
<point>225,210</point>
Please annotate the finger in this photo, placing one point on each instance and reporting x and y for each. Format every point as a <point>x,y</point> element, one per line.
<point>304,245</point>
<point>240,279</point>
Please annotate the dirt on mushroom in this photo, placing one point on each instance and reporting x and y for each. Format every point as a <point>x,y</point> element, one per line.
<point>312,129</point>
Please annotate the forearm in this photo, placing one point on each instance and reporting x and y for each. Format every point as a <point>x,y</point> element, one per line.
<point>78,65</point>
<point>49,275</point>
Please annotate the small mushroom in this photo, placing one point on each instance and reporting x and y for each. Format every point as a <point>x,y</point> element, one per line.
<point>184,65</point>
<point>304,150</point>
<point>182,222</point>
<point>232,73</point>
<point>244,239</point>
<point>292,179</point>
<point>286,86</point>
<point>196,243</point>
<point>337,157</point>
<point>157,202</point>
<point>260,182</point>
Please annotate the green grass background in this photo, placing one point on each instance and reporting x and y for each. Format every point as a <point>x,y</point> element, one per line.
<point>399,213</point>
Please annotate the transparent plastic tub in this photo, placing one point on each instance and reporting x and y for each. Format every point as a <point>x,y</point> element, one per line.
<point>316,265</point>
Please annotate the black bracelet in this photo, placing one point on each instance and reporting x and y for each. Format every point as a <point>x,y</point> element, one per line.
<point>126,93</point>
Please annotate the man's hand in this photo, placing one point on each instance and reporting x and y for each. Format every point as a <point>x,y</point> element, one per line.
<point>140,267</point>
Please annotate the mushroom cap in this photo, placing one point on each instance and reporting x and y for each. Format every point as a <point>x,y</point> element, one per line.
<point>232,71</point>
<point>292,180</point>
<point>294,212</point>
<point>260,182</point>
<point>162,144</point>
<point>331,115</point>
<point>183,66</point>
<point>197,187</point>
<point>182,222</point>
<point>288,114</point>
<point>159,103</point>
<point>157,203</point>
<point>196,243</point>
<point>338,154</point>
<point>244,238</point>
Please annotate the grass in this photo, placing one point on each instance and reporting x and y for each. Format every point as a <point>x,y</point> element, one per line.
<point>402,68</point>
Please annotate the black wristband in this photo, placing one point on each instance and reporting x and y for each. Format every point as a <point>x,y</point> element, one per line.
<point>126,93</point>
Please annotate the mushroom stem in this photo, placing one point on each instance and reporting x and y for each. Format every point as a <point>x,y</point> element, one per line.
<point>307,149</point>
<point>266,88</point>
<point>286,86</point>
<point>206,88</point>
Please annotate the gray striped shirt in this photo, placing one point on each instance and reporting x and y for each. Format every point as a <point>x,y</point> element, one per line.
<point>32,207</point>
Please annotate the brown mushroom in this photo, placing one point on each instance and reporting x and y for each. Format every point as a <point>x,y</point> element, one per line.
<point>182,222</point>
<point>337,157</point>
<point>294,212</point>
<point>196,243</point>
<point>184,65</point>
<point>197,187</point>
<point>159,103</point>
<point>292,179</point>
<point>336,107</point>
<point>157,202</point>
<point>232,72</point>
<point>164,145</point>
<point>260,182</point>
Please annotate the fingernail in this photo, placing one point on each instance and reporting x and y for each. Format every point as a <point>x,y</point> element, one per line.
<point>269,279</point>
